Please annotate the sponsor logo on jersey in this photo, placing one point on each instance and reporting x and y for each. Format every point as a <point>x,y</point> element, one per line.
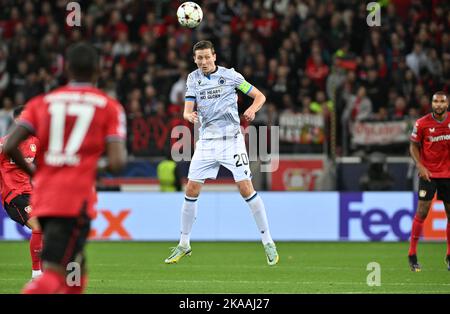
<point>439,138</point>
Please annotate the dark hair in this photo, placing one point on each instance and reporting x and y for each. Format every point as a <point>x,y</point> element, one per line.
<point>203,44</point>
<point>440,93</point>
<point>82,62</point>
<point>17,111</point>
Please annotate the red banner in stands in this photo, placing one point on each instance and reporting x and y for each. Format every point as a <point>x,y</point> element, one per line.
<point>297,175</point>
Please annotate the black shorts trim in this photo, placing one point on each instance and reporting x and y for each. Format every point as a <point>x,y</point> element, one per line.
<point>17,209</point>
<point>441,186</point>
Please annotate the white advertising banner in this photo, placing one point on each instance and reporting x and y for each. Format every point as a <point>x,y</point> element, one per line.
<point>225,216</point>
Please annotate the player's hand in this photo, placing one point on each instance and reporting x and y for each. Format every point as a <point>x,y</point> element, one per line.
<point>424,173</point>
<point>249,115</point>
<point>193,117</point>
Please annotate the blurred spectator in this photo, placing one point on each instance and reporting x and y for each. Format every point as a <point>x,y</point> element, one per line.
<point>6,116</point>
<point>169,175</point>
<point>178,90</point>
<point>4,74</point>
<point>121,47</point>
<point>381,115</point>
<point>321,105</point>
<point>417,59</point>
<point>376,90</point>
<point>316,70</point>
<point>358,107</point>
<point>433,64</point>
<point>399,112</point>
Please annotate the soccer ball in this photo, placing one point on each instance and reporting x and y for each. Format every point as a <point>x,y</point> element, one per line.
<point>189,14</point>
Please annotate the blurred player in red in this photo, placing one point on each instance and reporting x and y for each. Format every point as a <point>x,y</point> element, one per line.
<point>16,189</point>
<point>430,150</point>
<point>74,124</point>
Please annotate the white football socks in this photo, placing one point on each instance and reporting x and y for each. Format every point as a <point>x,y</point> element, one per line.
<point>188,215</point>
<point>259,214</point>
<point>35,273</point>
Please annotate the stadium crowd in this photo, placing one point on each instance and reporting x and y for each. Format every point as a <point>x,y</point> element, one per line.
<point>307,56</point>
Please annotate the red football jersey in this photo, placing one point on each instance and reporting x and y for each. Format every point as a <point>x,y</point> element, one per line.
<point>73,124</point>
<point>13,179</point>
<point>434,138</point>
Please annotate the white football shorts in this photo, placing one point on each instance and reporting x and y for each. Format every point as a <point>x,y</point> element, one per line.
<point>209,154</point>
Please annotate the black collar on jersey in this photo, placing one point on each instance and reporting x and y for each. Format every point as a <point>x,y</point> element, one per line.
<point>209,74</point>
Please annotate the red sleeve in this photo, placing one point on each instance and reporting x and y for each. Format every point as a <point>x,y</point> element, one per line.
<point>417,133</point>
<point>116,128</point>
<point>28,117</point>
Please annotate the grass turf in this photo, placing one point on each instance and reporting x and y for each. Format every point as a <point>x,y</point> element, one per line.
<point>240,267</point>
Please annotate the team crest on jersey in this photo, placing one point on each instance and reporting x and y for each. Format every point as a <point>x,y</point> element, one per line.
<point>28,209</point>
<point>448,125</point>
<point>222,80</point>
<point>432,129</point>
<point>33,148</point>
<point>199,82</point>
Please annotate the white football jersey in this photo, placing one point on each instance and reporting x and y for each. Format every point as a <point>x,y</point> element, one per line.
<point>216,98</point>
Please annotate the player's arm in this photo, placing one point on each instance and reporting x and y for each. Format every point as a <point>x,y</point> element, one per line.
<point>258,101</point>
<point>117,156</point>
<point>189,101</point>
<point>116,136</point>
<point>414,150</point>
<point>17,136</point>
<point>253,92</point>
<point>189,114</point>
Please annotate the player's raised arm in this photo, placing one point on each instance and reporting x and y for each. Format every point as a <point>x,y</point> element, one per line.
<point>258,101</point>
<point>189,114</point>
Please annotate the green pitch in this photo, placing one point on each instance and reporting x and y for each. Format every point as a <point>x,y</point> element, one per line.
<point>240,267</point>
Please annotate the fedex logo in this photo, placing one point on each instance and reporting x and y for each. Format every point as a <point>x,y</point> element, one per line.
<point>376,216</point>
<point>435,225</point>
<point>106,225</point>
